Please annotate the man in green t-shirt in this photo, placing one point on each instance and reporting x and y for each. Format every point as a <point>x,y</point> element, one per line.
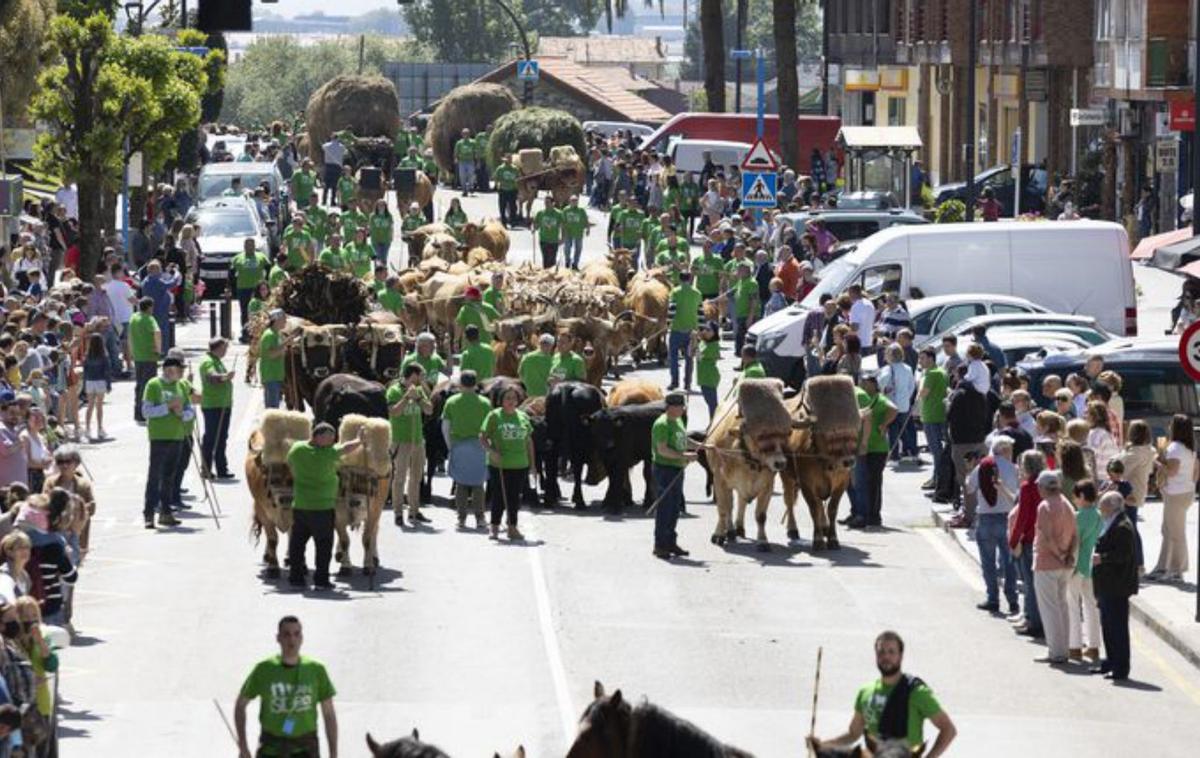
<point>628,231</point>
<point>314,467</point>
<point>474,311</point>
<point>271,349</point>
<point>167,407</point>
<point>480,141</point>
<point>391,297</point>
<point>494,294</point>
<point>334,257</point>
<point>426,355</point>
<point>303,183</point>
<point>574,226</point>
<point>548,223</point>
<point>568,365</point>
<point>477,356</point>
<point>247,268</point>
<point>410,161</point>
<point>298,242</point>
<point>464,162</point>
<point>291,687</point>
<point>751,367</point>
<point>684,310</point>
<point>216,404</point>
<point>670,453</point>
<point>708,268</point>
<point>931,396</point>
<point>506,176</point>
<point>867,503</point>
<point>907,718</point>
<point>689,201</point>
<point>408,402</point>
<point>745,303</point>
<point>462,421</point>
<point>534,370</point>
<point>145,347</point>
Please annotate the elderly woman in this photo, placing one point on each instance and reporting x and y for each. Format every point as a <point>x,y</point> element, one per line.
<point>1055,544</point>
<point>1178,493</point>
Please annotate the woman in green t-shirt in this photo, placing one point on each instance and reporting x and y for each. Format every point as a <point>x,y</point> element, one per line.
<point>456,217</point>
<point>258,301</point>
<point>707,375</point>
<point>508,438</point>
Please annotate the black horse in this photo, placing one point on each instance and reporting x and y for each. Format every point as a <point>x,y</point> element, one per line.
<point>405,747</point>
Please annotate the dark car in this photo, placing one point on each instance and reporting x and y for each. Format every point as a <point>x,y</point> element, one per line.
<point>999,179</point>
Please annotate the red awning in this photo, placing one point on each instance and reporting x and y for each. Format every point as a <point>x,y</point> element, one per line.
<point>1145,249</point>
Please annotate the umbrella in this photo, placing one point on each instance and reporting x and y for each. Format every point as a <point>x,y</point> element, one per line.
<point>1171,257</point>
<point>1145,249</point>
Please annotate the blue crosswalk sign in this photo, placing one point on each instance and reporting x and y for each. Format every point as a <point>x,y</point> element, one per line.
<point>527,71</point>
<point>758,189</point>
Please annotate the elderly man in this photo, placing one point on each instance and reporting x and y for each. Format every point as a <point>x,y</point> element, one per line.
<point>1114,580</point>
<point>428,358</point>
<point>1054,545</point>
<point>157,286</point>
<point>996,482</point>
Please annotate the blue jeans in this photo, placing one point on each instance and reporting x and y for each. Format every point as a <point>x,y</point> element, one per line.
<point>668,481</point>
<point>1025,565</point>
<point>112,345</point>
<point>381,251</point>
<point>710,399</point>
<point>935,435</point>
<point>859,503</point>
<point>272,394</point>
<point>572,251</point>
<point>991,537</point>
<point>466,176</point>
<point>677,346</point>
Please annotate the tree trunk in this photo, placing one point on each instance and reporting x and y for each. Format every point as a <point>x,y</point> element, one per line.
<point>787,85</point>
<point>92,224</point>
<point>712,35</point>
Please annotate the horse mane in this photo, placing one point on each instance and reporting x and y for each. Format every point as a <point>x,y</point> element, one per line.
<point>658,733</point>
<point>407,747</point>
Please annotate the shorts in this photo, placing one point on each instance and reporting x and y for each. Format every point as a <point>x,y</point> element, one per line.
<point>95,387</point>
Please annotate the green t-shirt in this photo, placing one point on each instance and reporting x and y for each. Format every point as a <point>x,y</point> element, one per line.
<point>568,368</point>
<point>574,221</point>
<point>345,188</point>
<point>549,223</point>
<point>433,365</point>
<point>871,700</point>
<point>352,221</point>
<point>479,358</point>
<point>686,299</point>
<point>431,169</point>
<point>298,246</point>
<point>334,259</point>
<point>535,372</point>
<point>392,301</point>
<point>411,223</point>
<point>481,145</point>
<point>674,433</point>
<point>249,270</point>
<point>142,328</point>
<point>314,476</point>
<point>707,374</point>
<point>477,313</point>
<point>708,268</point>
<point>629,226</point>
<point>689,197</point>
<point>303,184</point>
<point>407,425</point>
<point>464,149</point>
<point>381,228</point>
<point>494,298</point>
<point>652,233</point>
<point>456,220</point>
<point>214,394</point>
<point>290,695</point>
<point>360,258</point>
<point>409,161</point>
<point>159,391</point>
<point>745,292</point>
<point>269,369</point>
<point>317,224</point>
<point>278,274</point>
<point>754,371</point>
<point>878,406</point>
<point>466,413</point>
<point>509,434</point>
<point>506,176</point>
<point>255,305</point>
<point>933,405</point>
<point>671,199</point>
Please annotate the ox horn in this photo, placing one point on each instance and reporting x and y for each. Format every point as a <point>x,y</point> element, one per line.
<point>625,315</point>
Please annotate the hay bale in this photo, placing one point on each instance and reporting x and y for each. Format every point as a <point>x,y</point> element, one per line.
<point>833,409</point>
<point>563,154</point>
<point>543,128</point>
<point>761,408</point>
<point>280,430</point>
<point>530,160</point>
<point>375,454</point>
<point>365,105</point>
<point>473,106</point>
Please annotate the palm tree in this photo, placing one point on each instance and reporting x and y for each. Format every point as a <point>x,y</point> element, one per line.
<point>712,35</point>
<point>787,86</point>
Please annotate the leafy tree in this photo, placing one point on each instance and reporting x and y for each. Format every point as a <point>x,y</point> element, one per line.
<point>469,31</point>
<point>760,33</point>
<point>106,92</point>
<point>24,25</point>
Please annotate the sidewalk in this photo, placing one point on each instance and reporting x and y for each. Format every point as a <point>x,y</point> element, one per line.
<point>1167,610</point>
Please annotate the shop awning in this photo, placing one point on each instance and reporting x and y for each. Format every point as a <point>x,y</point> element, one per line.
<point>1145,249</point>
<point>1172,257</point>
<point>880,137</point>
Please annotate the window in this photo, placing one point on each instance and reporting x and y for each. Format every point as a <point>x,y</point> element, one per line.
<point>883,16</point>
<point>1135,19</point>
<point>953,315</point>
<point>1104,19</point>
<point>897,111</point>
<point>852,230</point>
<point>1006,308</point>
<point>922,323</point>
<point>881,279</point>
<point>1156,392</point>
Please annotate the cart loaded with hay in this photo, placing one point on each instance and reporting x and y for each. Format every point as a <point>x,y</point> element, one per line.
<point>562,176</point>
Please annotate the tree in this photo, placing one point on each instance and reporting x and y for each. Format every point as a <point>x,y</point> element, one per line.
<point>787,86</point>
<point>712,31</point>
<point>759,33</point>
<point>24,25</point>
<point>478,31</point>
<point>105,91</point>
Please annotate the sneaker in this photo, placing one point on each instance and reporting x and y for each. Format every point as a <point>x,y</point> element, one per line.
<point>677,550</point>
<point>989,607</point>
<point>149,522</point>
<point>515,535</point>
<point>166,519</point>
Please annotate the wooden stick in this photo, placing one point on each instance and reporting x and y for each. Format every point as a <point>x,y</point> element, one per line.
<point>812,727</point>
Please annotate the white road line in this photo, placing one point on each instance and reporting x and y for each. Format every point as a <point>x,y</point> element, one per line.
<point>954,558</point>
<point>566,711</point>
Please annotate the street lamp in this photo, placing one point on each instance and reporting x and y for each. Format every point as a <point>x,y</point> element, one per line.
<point>527,93</point>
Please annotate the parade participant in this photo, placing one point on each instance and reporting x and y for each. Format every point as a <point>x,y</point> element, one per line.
<point>535,366</point>
<point>303,182</point>
<point>334,152</point>
<point>333,257</point>
<point>314,467</point>
<point>292,687</point>
<point>568,365</point>
<point>506,176</point>
<point>627,223</point>
<point>279,271</point>
<point>1114,579</point>
<point>494,294</point>
<point>708,376</point>
<point>258,301</point>
<point>684,309</point>
<point>346,187</point>
<point>428,358</point>
<point>167,406</point>
<point>187,386</point>
<point>462,421</point>
<point>476,312</point>
<point>707,269</point>
<point>464,162</point>
<point>391,297</point>
<point>476,356</point>
<point>299,243</point>
<point>413,220</point>
<point>382,230</point>
<point>145,345</point>
<point>575,225</point>
<point>868,483</point>
<point>689,202</point>
<point>931,404</point>
<point>507,436</point>
<point>750,366</point>
<point>1055,545</point>
<point>271,349</point>
<point>745,304</point>
<point>352,219</point>
<point>216,403</point>
<point>410,160</point>
<point>549,225</point>
<point>247,269</point>
<point>481,149</point>
<point>407,400</point>
<point>456,217</point>
<point>359,254</point>
<point>895,706</point>
<point>670,454</point>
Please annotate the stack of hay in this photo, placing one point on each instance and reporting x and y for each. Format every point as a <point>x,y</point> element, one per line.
<point>322,297</point>
<point>833,409</point>
<point>361,470</point>
<point>367,106</point>
<point>473,106</point>
<point>761,410</point>
<point>280,430</point>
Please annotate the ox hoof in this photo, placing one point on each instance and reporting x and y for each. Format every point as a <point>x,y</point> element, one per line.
<point>763,547</point>
<point>718,540</point>
<point>272,572</point>
<point>368,570</point>
<point>732,536</point>
<point>834,544</point>
<point>818,545</point>
<point>793,534</point>
<point>344,571</point>
<point>741,531</point>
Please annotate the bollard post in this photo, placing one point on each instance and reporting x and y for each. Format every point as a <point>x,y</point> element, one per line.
<point>212,320</point>
<point>226,319</point>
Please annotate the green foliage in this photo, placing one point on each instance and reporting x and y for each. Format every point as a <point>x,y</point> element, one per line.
<point>82,9</point>
<point>950,212</point>
<point>698,101</point>
<point>927,197</point>
<point>759,34</point>
<point>24,25</point>
<point>276,76</point>
<point>534,127</point>
<point>468,31</point>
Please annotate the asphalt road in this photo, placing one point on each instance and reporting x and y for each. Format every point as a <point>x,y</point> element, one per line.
<point>485,645</point>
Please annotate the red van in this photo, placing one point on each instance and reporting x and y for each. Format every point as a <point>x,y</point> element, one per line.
<point>814,131</point>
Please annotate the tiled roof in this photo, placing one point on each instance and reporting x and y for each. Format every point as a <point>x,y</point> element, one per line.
<point>617,50</point>
<point>607,89</point>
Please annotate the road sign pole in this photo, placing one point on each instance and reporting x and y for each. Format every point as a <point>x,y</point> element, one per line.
<point>1016,164</point>
<point>762,76</point>
<point>1189,360</point>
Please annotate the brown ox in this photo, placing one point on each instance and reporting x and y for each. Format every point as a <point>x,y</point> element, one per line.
<point>745,449</point>
<point>823,446</point>
<point>648,298</point>
<point>419,236</point>
<point>440,245</point>
<point>267,517</point>
<point>490,235</point>
<point>634,392</point>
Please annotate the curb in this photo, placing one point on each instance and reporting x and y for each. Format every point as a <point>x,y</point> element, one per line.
<point>1162,627</point>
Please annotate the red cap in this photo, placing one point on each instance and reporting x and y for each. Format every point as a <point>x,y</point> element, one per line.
<point>474,293</point>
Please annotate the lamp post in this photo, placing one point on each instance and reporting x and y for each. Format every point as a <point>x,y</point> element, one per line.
<point>972,58</point>
<point>527,92</point>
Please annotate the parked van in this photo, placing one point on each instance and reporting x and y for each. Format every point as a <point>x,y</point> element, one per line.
<point>813,131</point>
<point>607,128</point>
<point>688,154</point>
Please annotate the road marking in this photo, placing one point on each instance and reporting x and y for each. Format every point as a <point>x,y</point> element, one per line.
<point>566,711</point>
<point>937,540</point>
<point>1181,682</point>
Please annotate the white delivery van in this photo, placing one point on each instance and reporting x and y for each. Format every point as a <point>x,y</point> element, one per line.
<point>1074,267</point>
<point>688,154</point>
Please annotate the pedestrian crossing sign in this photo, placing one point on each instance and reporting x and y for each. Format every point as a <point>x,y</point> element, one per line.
<point>758,189</point>
<point>527,71</point>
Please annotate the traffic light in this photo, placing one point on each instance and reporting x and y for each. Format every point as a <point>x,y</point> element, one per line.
<point>224,16</point>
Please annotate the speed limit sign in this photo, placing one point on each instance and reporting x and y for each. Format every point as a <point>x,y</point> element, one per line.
<point>1189,350</point>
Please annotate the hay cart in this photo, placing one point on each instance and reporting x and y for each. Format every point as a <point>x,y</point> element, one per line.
<point>562,177</point>
<point>370,159</point>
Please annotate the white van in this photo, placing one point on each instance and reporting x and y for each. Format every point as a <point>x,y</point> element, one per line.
<point>607,128</point>
<point>688,154</point>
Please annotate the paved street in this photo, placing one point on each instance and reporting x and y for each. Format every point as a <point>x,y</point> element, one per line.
<point>485,645</point>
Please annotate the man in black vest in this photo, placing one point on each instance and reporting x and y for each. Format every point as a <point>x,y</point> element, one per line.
<point>1114,580</point>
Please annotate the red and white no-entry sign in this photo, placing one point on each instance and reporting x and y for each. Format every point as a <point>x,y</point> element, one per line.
<point>1189,350</point>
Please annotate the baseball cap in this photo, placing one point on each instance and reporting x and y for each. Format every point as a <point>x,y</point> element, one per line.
<point>169,362</point>
<point>7,397</point>
<point>473,293</point>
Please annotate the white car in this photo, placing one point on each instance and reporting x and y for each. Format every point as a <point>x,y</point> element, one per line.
<point>607,128</point>
<point>225,224</point>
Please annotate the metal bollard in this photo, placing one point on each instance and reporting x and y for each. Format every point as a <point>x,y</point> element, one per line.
<point>226,319</point>
<point>212,320</point>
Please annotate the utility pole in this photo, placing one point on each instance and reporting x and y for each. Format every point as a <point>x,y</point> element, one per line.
<point>527,92</point>
<point>737,64</point>
<point>969,111</point>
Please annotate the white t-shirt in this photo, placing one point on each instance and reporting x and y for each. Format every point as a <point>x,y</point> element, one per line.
<point>1181,483</point>
<point>862,316</point>
<point>978,375</point>
<point>118,294</point>
<point>334,152</point>
<point>69,198</point>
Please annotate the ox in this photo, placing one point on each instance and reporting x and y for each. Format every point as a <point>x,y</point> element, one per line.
<point>569,408</point>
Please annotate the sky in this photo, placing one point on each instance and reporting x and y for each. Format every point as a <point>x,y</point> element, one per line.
<point>290,8</point>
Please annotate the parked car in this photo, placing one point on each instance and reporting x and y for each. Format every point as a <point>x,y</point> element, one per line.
<point>999,179</point>
<point>811,131</point>
<point>1026,344</point>
<point>1084,327</point>
<point>872,200</point>
<point>215,178</point>
<point>936,315</point>
<point>1154,385</point>
<point>224,225</point>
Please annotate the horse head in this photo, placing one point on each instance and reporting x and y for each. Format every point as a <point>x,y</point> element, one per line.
<point>603,727</point>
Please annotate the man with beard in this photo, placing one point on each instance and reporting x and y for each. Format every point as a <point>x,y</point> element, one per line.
<point>895,706</point>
